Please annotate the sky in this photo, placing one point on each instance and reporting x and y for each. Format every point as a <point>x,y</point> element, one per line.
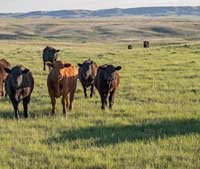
<point>46,5</point>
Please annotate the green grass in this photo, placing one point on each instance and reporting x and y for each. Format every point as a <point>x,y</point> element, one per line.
<point>154,124</point>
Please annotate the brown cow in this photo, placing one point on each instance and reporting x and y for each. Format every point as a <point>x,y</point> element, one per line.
<point>62,81</point>
<point>3,75</point>
<point>106,82</point>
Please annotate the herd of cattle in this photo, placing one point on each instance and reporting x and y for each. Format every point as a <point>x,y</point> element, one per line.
<point>18,81</point>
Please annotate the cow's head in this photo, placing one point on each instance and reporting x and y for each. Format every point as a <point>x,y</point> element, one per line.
<point>57,68</point>
<point>52,53</point>
<point>109,71</point>
<point>55,53</point>
<point>85,69</point>
<point>16,76</point>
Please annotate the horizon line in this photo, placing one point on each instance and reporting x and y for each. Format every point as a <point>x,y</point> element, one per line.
<point>101,9</point>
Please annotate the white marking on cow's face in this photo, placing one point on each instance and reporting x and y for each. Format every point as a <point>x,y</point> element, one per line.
<point>16,79</point>
<point>16,76</point>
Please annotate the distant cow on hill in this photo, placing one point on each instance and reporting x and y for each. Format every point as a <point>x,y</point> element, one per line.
<point>130,46</point>
<point>87,73</point>
<point>19,86</point>
<point>146,44</point>
<point>49,55</point>
<point>107,82</point>
<point>62,81</point>
<point>3,75</point>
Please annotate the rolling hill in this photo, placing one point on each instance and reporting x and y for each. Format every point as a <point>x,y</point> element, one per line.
<point>144,11</point>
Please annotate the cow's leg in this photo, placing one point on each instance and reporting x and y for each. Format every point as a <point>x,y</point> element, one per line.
<point>103,101</point>
<point>15,107</point>
<point>49,68</point>
<point>106,99</point>
<point>53,104</point>
<point>6,95</point>
<point>71,99</point>
<point>2,93</point>
<point>111,99</point>
<point>64,103</point>
<point>85,90</point>
<point>92,90</point>
<point>44,66</point>
<point>25,105</point>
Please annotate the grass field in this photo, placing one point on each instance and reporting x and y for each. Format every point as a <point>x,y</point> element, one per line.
<point>154,124</point>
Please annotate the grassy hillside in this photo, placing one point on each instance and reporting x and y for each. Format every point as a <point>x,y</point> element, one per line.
<point>136,29</point>
<point>155,121</point>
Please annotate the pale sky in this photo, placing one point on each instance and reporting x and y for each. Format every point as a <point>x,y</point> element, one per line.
<point>46,5</point>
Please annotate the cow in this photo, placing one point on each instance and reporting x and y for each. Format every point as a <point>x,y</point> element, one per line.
<point>3,75</point>
<point>107,82</point>
<point>49,54</point>
<point>130,46</point>
<point>62,81</point>
<point>146,44</point>
<point>19,86</point>
<point>86,74</point>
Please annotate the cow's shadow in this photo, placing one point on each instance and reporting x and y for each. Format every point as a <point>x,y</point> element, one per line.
<point>110,135</point>
<point>6,115</point>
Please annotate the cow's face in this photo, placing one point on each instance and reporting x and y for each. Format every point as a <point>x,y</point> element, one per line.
<point>16,76</point>
<point>86,69</point>
<point>109,71</point>
<point>55,53</point>
<point>58,67</point>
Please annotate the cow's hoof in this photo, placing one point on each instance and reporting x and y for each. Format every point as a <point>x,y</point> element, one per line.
<point>52,114</point>
<point>65,116</point>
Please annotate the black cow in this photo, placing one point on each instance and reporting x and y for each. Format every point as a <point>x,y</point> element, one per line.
<point>146,44</point>
<point>49,55</point>
<point>130,46</point>
<point>87,73</point>
<point>19,86</point>
<point>107,82</point>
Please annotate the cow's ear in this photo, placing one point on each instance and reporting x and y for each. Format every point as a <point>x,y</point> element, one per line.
<point>7,70</point>
<point>25,71</point>
<point>118,68</point>
<point>67,65</point>
<point>58,50</point>
<point>79,65</point>
<point>49,64</point>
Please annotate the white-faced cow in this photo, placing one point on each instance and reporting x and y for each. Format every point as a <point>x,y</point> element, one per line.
<point>19,86</point>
